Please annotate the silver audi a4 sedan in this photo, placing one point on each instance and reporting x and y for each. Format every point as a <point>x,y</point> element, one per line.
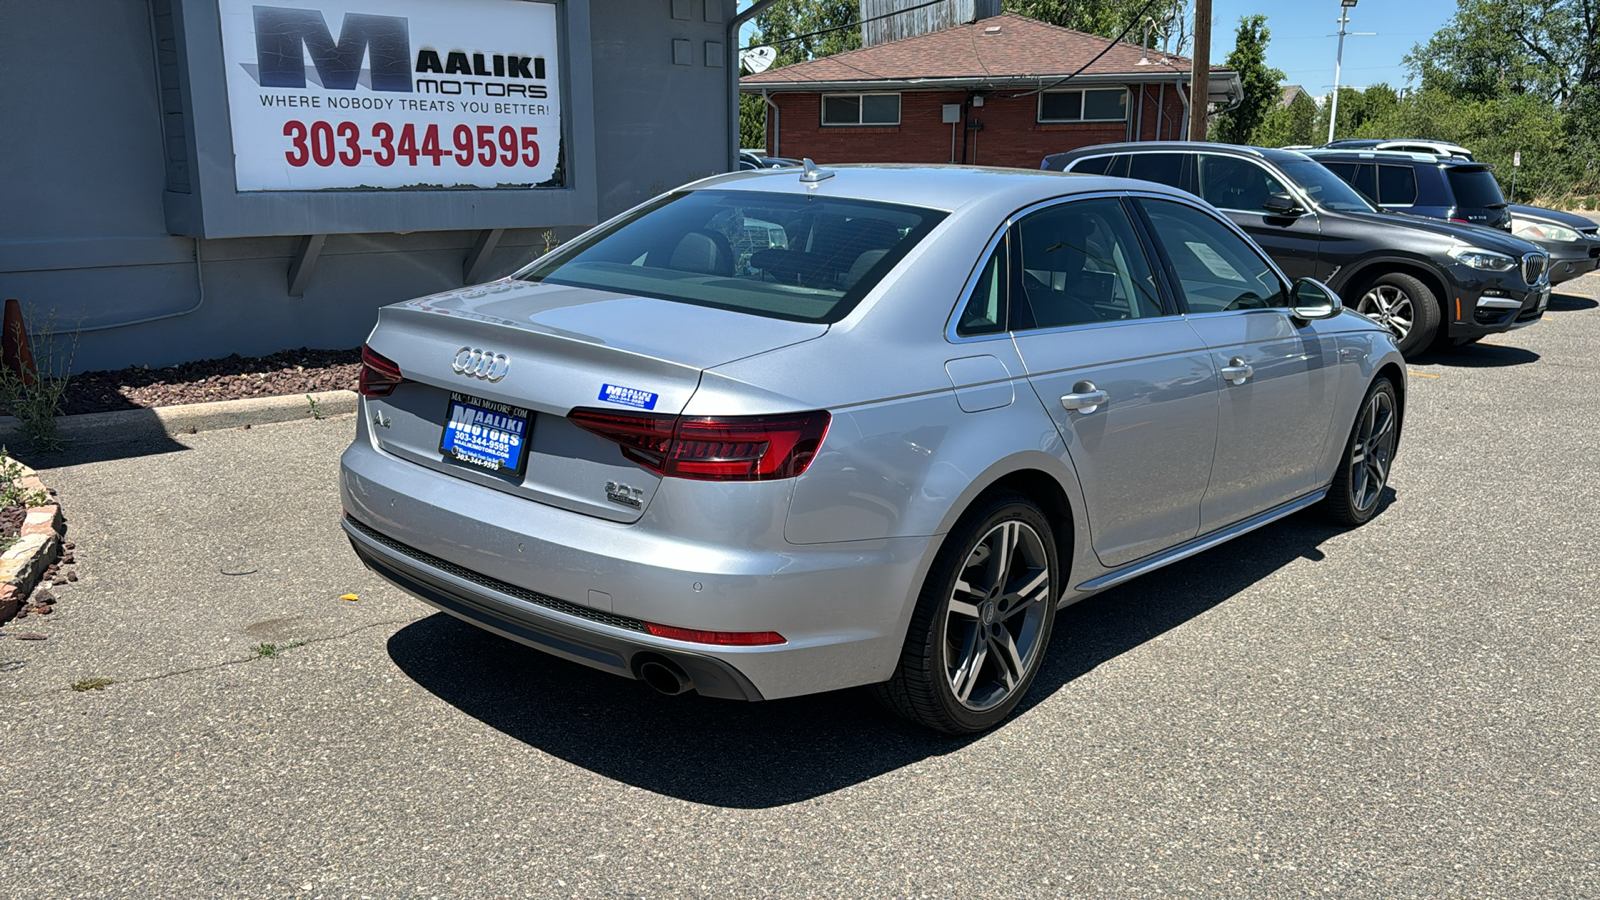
<point>792,430</point>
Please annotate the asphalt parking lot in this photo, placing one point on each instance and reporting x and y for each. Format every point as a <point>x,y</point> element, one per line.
<point>1410,709</point>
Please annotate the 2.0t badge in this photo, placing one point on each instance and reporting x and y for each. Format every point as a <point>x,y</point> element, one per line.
<point>627,495</point>
<point>485,364</point>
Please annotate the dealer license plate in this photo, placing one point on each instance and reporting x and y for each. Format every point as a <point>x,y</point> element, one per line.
<point>1544,299</point>
<point>486,434</point>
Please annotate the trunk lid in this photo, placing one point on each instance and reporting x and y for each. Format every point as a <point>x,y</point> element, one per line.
<point>541,351</point>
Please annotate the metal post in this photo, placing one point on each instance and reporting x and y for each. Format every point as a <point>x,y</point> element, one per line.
<point>1338,61</point>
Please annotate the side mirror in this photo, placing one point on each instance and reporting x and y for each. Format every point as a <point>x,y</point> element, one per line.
<point>1311,299</point>
<point>1281,204</point>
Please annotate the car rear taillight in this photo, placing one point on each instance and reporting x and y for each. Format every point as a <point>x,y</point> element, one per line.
<point>379,374</point>
<point>725,638</point>
<point>712,448</point>
<point>1460,221</point>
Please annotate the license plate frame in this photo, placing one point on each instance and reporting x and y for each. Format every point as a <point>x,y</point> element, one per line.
<point>498,447</point>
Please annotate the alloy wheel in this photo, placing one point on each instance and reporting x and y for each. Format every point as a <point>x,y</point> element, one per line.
<point>1372,450</point>
<point>996,615</point>
<point>1390,307</point>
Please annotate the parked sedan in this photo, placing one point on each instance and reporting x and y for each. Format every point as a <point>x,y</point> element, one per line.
<point>1572,241</point>
<point>880,446</point>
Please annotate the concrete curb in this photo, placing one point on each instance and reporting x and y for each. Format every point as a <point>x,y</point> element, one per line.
<point>23,564</point>
<point>131,424</point>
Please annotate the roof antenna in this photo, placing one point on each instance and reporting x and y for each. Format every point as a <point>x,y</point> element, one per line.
<point>812,174</point>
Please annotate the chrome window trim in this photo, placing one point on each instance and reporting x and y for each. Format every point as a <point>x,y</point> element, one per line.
<point>1073,162</point>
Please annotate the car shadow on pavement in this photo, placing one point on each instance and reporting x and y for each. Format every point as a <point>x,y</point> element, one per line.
<point>761,755</point>
<point>1478,356</point>
<point>1571,303</point>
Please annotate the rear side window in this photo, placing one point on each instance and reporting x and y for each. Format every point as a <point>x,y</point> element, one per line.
<point>1163,168</point>
<point>1218,270</point>
<point>1357,175</point>
<point>1475,187</point>
<point>784,256</point>
<point>1082,262</point>
<point>1397,185</point>
<point>985,310</point>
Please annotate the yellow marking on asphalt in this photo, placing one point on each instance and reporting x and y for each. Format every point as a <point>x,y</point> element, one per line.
<point>1423,375</point>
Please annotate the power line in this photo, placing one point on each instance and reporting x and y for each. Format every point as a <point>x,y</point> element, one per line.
<point>1117,40</point>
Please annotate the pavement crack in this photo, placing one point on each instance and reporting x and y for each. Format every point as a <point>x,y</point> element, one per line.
<point>139,679</point>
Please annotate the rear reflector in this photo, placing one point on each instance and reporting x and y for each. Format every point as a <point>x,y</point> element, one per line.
<point>379,374</point>
<point>712,448</point>
<point>725,638</point>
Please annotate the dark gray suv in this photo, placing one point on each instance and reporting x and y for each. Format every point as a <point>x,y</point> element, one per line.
<point>1426,281</point>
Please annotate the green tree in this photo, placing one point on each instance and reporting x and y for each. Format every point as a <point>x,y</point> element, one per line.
<point>1241,124</point>
<point>790,28</point>
<point>1108,18</point>
<point>1295,124</point>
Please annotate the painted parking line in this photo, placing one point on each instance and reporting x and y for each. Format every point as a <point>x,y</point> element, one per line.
<point>1424,375</point>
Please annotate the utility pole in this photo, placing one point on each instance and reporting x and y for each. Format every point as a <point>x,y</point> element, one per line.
<point>1338,60</point>
<point>1200,74</point>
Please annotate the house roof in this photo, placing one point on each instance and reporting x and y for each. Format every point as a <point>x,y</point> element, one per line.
<point>1005,49</point>
<point>1290,92</point>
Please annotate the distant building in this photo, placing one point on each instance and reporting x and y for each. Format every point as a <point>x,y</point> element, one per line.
<point>1291,93</point>
<point>995,91</point>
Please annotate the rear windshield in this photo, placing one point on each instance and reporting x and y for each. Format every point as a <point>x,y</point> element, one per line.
<point>1475,188</point>
<point>1327,190</point>
<point>805,258</point>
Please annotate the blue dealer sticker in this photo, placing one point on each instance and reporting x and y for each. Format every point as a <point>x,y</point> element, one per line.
<point>627,396</point>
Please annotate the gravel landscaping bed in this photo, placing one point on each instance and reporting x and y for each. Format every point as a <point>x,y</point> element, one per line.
<point>285,373</point>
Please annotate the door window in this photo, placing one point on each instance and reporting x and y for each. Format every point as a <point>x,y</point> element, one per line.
<point>1082,263</point>
<point>1217,269</point>
<point>1227,182</point>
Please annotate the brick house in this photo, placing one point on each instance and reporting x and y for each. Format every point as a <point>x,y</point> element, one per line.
<point>989,92</point>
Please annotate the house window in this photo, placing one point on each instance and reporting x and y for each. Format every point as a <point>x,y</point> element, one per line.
<point>1096,105</point>
<point>861,109</point>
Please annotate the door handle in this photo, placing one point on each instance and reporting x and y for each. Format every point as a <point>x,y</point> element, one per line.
<point>1085,398</point>
<point>1237,371</point>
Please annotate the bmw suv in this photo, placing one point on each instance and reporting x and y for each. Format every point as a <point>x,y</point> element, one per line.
<point>1428,282</point>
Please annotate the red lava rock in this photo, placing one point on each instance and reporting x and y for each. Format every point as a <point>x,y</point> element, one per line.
<point>44,610</point>
<point>43,597</point>
<point>72,576</point>
<point>69,559</point>
<point>31,636</point>
<point>69,545</point>
<point>288,373</point>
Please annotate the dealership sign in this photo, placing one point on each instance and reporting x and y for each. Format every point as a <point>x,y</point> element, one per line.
<point>392,93</point>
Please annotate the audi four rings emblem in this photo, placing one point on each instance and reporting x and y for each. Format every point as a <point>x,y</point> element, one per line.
<point>483,364</point>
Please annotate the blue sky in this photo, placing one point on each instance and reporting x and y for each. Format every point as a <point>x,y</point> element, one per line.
<point>1301,46</point>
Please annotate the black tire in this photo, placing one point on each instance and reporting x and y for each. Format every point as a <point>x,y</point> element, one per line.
<point>1358,483</point>
<point>1009,619</point>
<point>1389,298</point>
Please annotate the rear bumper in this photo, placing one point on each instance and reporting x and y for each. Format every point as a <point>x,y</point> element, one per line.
<point>499,608</point>
<point>583,588</point>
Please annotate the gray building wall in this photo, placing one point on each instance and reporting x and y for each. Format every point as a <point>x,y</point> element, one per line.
<point>86,242</point>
